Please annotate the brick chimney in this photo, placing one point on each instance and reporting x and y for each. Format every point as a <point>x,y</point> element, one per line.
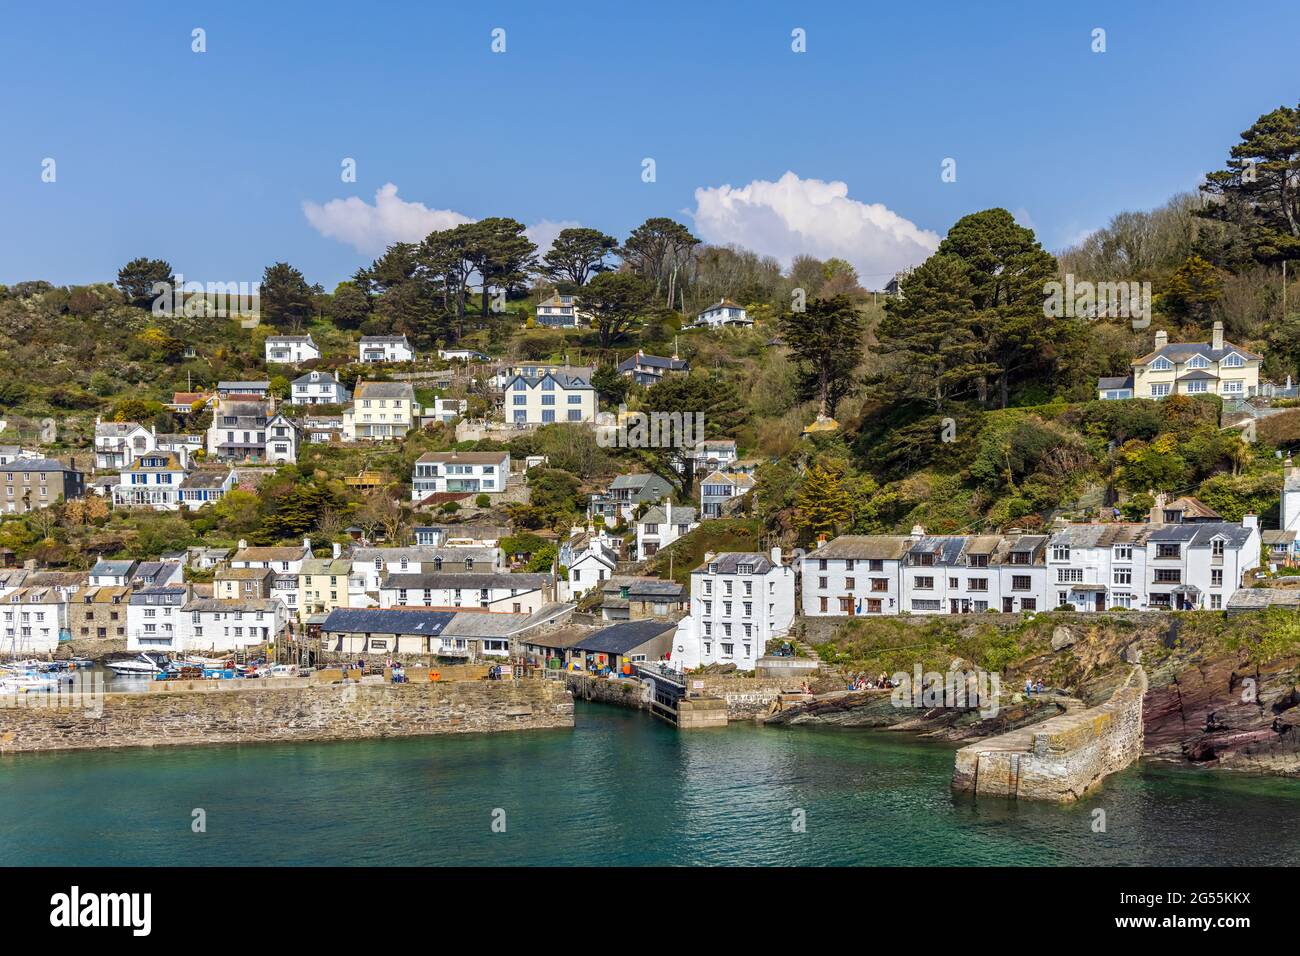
<point>1216,340</point>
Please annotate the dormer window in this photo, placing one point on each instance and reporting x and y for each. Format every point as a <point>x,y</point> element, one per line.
<point>1198,361</point>
<point>1162,364</point>
<point>1233,361</point>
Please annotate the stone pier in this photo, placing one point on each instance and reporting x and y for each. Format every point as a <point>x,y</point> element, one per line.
<point>281,711</point>
<point>1062,758</point>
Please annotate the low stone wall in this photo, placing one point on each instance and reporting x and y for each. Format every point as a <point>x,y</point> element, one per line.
<point>286,710</point>
<point>621,692</point>
<point>787,669</point>
<point>747,698</point>
<point>95,649</point>
<point>1061,758</point>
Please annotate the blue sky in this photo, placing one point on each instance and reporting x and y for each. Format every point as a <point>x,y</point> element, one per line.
<point>207,159</point>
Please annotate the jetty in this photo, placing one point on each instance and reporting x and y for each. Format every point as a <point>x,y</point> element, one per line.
<point>1063,757</point>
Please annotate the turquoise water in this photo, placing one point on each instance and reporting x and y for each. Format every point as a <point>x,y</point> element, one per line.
<point>621,789</point>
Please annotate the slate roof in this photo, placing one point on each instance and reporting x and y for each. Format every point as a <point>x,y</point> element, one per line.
<point>1200,534</point>
<point>1101,535</point>
<point>1193,507</point>
<point>205,479</point>
<point>874,547</point>
<point>624,636</point>
<point>1119,381</point>
<point>242,574</point>
<point>643,587</point>
<point>658,515</point>
<point>637,481</point>
<point>150,572</point>
<point>566,380</point>
<point>1257,599</point>
<point>115,429</point>
<point>653,361</point>
<point>339,567</point>
<point>947,550</point>
<point>1179,352</point>
<point>117,569</point>
<point>480,624</point>
<point>350,620</point>
<point>38,464</point>
<point>404,390</point>
<point>729,561</point>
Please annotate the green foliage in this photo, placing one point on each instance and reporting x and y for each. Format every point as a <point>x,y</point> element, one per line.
<point>286,298</point>
<point>822,504</point>
<point>825,342</point>
<point>1235,496</point>
<point>610,384</point>
<point>577,254</point>
<point>136,279</point>
<point>615,301</point>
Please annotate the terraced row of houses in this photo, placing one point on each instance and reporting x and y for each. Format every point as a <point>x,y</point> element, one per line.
<point>1086,567</point>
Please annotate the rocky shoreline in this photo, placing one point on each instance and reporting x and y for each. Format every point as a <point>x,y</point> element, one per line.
<point>1223,692</point>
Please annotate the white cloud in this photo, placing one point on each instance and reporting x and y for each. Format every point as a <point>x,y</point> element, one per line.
<point>545,232</point>
<point>795,216</point>
<point>1021,215</point>
<point>371,229</point>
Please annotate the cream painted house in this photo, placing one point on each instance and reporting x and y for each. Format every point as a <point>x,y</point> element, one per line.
<point>1188,368</point>
<point>323,584</point>
<point>380,411</point>
<point>553,396</point>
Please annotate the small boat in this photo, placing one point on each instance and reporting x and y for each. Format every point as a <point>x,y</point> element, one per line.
<point>27,683</point>
<point>280,670</point>
<point>147,664</point>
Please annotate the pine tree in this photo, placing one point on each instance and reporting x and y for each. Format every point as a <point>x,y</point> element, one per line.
<point>825,341</point>
<point>822,504</point>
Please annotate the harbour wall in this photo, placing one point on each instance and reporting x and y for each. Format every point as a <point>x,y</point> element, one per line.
<point>1061,758</point>
<point>220,712</point>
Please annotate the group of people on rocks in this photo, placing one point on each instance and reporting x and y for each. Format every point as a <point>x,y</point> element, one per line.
<point>1032,687</point>
<point>867,682</point>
